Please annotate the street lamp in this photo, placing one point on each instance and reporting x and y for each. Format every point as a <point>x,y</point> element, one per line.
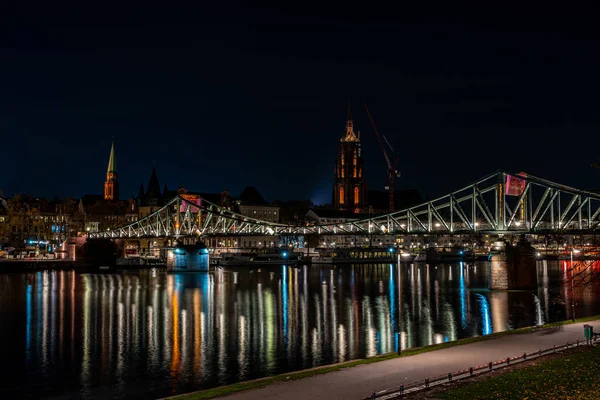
<point>572,285</point>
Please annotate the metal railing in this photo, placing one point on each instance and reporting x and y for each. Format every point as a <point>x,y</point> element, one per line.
<point>427,383</point>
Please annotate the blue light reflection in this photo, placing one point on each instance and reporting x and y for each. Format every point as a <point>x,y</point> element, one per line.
<point>486,319</point>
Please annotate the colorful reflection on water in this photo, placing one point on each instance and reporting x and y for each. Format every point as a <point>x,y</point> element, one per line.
<point>148,334</point>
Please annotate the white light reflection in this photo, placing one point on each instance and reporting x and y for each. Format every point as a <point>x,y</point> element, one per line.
<point>371,333</point>
<point>243,347</point>
<point>341,344</point>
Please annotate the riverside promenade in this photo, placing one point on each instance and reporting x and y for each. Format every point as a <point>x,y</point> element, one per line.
<point>360,381</point>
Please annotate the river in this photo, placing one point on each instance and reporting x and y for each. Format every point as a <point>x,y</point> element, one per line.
<point>147,334</point>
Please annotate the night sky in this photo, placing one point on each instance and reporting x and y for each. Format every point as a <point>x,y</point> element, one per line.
<point>235,97</point>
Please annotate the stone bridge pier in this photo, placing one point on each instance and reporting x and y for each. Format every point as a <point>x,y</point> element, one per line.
<point>516,269</point>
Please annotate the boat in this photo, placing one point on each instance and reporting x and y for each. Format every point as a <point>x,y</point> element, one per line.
<point>449,255</point>
<point>140,261</point>
<point>228,259</point>
<point>420,257</point>
<point>262,257</point>
<point>357,256</point>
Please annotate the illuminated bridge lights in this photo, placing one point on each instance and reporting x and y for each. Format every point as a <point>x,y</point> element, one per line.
<point>493,204</point>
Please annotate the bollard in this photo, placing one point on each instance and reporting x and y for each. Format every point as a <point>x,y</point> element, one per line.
<point>540,352</point>
<point>471,371</point>
<point>490,365</point>
<point>507,360</point>
<point>524,356</point>
<point>554,348</point>
<point>577,342</point>
<point>449,376</point>
<point>427,383</point>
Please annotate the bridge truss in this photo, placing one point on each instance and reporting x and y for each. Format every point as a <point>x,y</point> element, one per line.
<point>500,203</point>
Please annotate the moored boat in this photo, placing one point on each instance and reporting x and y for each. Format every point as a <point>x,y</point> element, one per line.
<point>140,262</point>
<point>262,257</point>
<point>357,256</point>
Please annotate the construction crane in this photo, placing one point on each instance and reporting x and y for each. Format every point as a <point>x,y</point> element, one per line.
<point>392,171</point>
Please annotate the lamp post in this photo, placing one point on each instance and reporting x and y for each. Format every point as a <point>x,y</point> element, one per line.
<point>572,285</point>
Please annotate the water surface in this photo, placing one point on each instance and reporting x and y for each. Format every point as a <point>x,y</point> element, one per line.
<point>146,333</point>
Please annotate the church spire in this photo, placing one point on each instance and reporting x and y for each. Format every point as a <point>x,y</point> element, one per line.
<point>153,189</point>
<point>350,136</point>
<point>112,160</point>
<point>111,184</point>
<point>349,122</point>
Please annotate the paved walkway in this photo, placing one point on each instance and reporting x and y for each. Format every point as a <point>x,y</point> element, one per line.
<point>359,382</point>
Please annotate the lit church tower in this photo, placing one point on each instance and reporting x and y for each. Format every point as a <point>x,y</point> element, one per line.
<point>349,185</point>
<point>111,185</point>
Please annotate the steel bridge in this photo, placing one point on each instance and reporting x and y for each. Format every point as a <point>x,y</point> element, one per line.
<point>500,203</point>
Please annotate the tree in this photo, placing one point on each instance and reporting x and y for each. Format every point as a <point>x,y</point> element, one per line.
<point>16,223</point>
<point>24,219</point>
<point>293,212</point>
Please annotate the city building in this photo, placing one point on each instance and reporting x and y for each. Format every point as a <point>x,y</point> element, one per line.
<point>3,207</point>
<point>99,214</point>
<point>349,183</point>
<point>252,204</point>
<point>35,224</point>
<point>321,216</point>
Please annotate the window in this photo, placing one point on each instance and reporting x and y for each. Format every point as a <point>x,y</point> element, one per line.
<point>341,195</point>
<point>354,163</point>
<point>356,195</point>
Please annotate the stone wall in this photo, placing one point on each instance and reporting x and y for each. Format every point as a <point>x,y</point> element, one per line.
<point>498,273</point>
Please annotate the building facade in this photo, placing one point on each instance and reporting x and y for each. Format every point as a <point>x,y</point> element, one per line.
<point>349,183</point>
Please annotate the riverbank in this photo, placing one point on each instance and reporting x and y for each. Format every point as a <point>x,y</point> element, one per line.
<point>27,265</point>
<point>573,374</point>
<point>359,378</point>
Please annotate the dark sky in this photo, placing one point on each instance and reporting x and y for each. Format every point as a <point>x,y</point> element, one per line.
<point>239,96</point>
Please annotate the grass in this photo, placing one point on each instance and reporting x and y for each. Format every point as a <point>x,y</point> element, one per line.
<point>573,376</point>
<point>262,382</point>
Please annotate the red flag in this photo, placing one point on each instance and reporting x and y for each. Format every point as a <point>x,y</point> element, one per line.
<point>514,185</point>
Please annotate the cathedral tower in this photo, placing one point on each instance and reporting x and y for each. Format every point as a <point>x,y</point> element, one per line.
<point>349,184</point>
<point>111,184</point>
